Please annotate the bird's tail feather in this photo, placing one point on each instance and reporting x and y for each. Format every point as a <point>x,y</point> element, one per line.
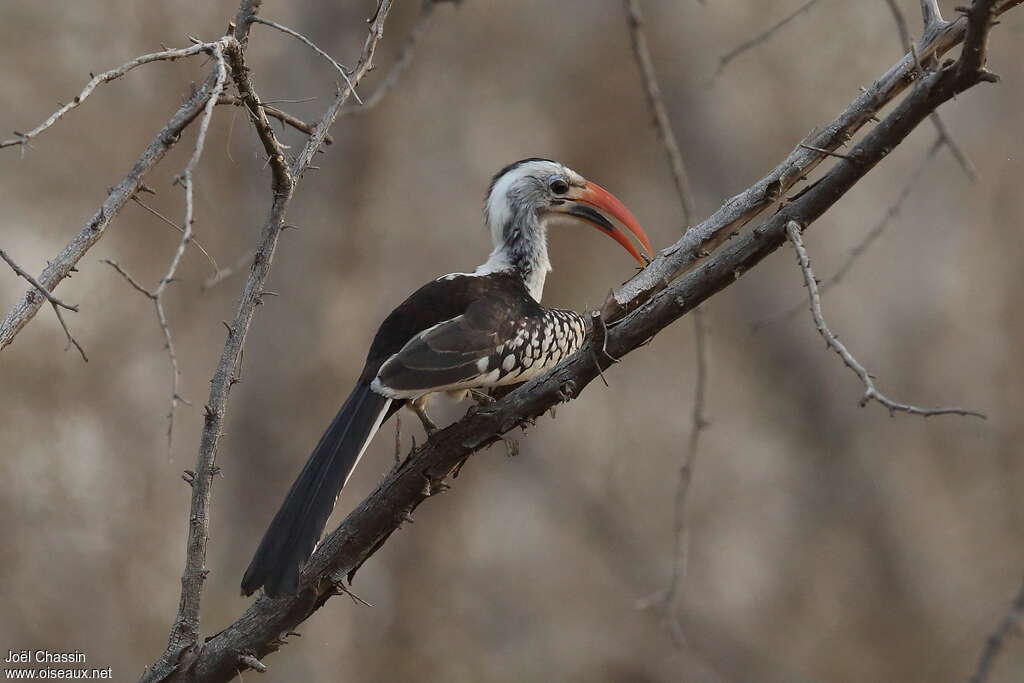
<point>297,526</point>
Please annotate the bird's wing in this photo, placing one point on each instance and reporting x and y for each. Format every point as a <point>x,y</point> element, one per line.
<point>457,351</point>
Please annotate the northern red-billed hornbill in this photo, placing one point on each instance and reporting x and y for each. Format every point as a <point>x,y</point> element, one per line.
<point>463,331</point>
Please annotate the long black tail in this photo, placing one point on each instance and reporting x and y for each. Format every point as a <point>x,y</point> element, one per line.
<point>297,526</point>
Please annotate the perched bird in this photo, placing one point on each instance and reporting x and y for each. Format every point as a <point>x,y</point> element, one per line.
<point>464,331</point>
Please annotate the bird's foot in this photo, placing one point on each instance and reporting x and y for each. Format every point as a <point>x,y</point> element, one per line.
<point>418,408</point>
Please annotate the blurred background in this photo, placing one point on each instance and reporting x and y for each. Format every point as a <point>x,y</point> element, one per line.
<point>828,542</point>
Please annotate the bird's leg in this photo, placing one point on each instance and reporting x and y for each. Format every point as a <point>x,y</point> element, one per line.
<point>419,406</point>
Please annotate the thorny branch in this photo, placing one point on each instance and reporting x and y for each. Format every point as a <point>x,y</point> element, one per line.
<point>64,263</point>
<point>23,139</point>
<point>402,63</point>
<point>994,643</point>
<point>672,594</point>
<point>861,247</point>
<point>870,392</point>
<point>295,34</point>
<point>641,309</point>
<point>185,180</point>
<point>186,656</point>
<point>56,303</point>
<point>726,223</point>
<point>642,312</point>
<point>932,18</point>
<point>32,281</point>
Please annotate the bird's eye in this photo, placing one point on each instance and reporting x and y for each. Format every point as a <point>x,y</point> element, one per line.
<point>558,185</point>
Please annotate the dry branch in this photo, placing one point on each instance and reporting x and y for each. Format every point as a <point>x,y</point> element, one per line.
<point>23,139</point>
<point>646,312</point>
<point>63,264</point>
<point>298,36</point>
<point>186,657</point>
<point>994,643</point>
<point>765,193</point>
<point>865,243</point>
<point>760,38</point>
<point>405,56</point>
<point>932,20</point>
<point>871,393</point>
<point>671,596</point>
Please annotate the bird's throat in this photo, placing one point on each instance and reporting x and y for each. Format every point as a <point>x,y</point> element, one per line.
<point>525,251</point>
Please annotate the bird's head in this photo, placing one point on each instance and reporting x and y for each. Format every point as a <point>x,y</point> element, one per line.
<point>525,195</point>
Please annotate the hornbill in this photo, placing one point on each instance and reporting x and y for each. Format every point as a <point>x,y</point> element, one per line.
<point>459,333</point>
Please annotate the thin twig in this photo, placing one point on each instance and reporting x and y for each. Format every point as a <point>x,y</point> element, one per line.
<point>63,264</point>
<point>132,281</point>
<point>671,596</point>
<point>185,179</point>
<point>282,116</point>
<point>861,247</point>
<point>35,283</point>
<point>227,271</point>
<point>183,652</point>
<point>177,227</point>
<point>725,59</point>
<point>994,643</point>
<point>405,55</point>
<point>105,77</point>
<point>71,340</point>
<point>642,52</point>
<point>309,43</point>
<point>870,392</point>
<point>186,236</point>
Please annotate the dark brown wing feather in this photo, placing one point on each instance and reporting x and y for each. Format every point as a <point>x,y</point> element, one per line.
<point>453,321</point>
<point>448,353</point>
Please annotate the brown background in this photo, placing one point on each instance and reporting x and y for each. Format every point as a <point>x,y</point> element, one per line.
<point>829,542</point>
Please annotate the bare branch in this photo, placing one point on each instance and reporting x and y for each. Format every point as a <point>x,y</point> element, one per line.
<point>980,17</point>
<point>63,264</point>
<point>282,116</point>
<point>295,34</point>
<point>71,340</point>
<point>405,56</point>
<point>940,125</point>
<point>132,281</point>
<point>227,271</point>
<point>725,59</point>
<point>177,227</point>
<point>861,248</point>
<point>35,283</point>
<point>870,392</point>
<point>646,313</point>
<point>681,528</point>
<point>654,99</point>
<point>105,77</point>
<point>725,223</point>
<point>672,595</point>
<point>183,658</point>
<point>994,643</point>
